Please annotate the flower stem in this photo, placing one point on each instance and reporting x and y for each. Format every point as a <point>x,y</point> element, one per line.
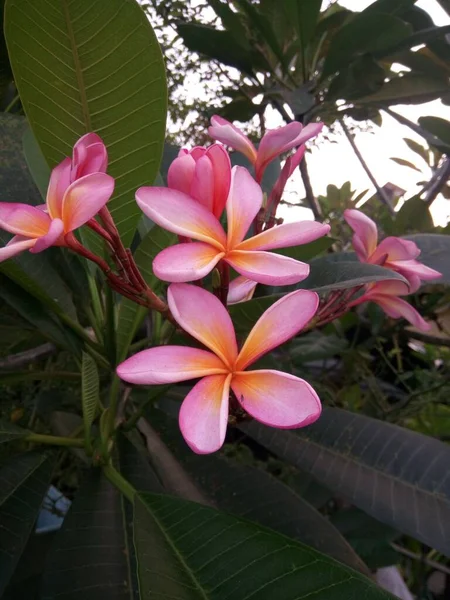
<point>120,482</point>
<point>54,440</point>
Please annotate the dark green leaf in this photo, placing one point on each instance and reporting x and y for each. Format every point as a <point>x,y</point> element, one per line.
<point>241,109</point>
<point>379,467</point>
<point>411,88</point>
<point>364,33</point>
<point>230,20</point>
<point>90,388</point>
<point>413,212</point>
<point>24,480</point>
<point>438,127</point>
<point>189,551</point>
<point>131,315</point>
<point>417,148</point>
<point>306,252</point>
<point>37,165</point>
<point>405,163</point>
<point>315,346</point>
<point>304,16</point>
<point>424,36</point>
<point>10,432</point>
<point>107,75</point>
<point>435,252</point>
<point>361,77</point>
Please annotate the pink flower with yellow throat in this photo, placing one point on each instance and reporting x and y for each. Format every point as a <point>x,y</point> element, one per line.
<point>191,261</point>
<point>77,191</point>
<point>272,397</point>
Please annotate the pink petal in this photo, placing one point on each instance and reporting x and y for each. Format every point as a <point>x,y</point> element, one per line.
<point>181,173</point>
<point>84,198</point>
<point>395,249</point>
<point>225,132</point>
<point>243,204</point>
<point>23,219</point>
<point>410,268</point>
<point>397,307</point>
<point>202,187</point>
<point>289,167</point>
<point>267,268</point>
<point>279,323</point>
<point>51,238</point>
<point>277,399</point>
<point>284,236</point>
<point>89,156</point>
<point>169,364</point>
<point>277,141</point>
<point>202,315</point>
<point>240,290</point>
<point>180,214</point>
<point>222,177</point>
<point>58,184</point>
<point>204,414</point>
<point>186,262</point>
<point>15,246</point>
<point>364,228</point>
<point>390,288</point>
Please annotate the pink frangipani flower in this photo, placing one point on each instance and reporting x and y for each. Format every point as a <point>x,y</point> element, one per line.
<point>274,142</point>
<point>89,156</point>
<point>386,295</point>
<point>191,261</point>
<point>203,174</point>
<point>392,253</point>
<point>240,290</point>
<point>69,204</point>
<point>272,397</point>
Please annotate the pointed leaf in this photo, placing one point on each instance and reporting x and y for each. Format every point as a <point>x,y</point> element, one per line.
<point>405,163</point>
<point>90,388</point>
<point>411,88</point>
<point>37,165</point>
<point>434,253</point>
<point>379,467</point>
<point>107,76</point>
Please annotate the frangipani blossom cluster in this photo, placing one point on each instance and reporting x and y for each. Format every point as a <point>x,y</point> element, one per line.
<point>223,222</point>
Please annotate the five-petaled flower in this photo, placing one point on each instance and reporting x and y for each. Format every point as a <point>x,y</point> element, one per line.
<point>203,174</point>
<point>273,143</point>
<point>191,261</point>
<point>272,397</point>
<point>392,253</point>
<point>76,193</point>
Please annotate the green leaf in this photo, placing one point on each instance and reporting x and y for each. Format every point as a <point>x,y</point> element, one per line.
<point>304,16</point>
<point>363,33</point>
<point>37,165</point>
<point>379,467</point>
<point>131,315</point>
<point>189,551</point>
<point>315,346</point>
<point>92,66</point>
<point>434,253</point>
<point>410,88</point>
<point>24,482</point>
<point>413,211</point>
<point>240,109</point>
<point>417,148</point>
<point>90,389</point>
<point>306,252</point>
<point>405,163</point>
<point>438,127</point>
<point>10,432</point>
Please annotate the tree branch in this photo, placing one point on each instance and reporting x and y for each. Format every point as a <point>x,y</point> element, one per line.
<point>438,181</point>
<point>312,200</point>
<point>23,358</point>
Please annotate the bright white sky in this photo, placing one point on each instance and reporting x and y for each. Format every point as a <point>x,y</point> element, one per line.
<point>336,162</point>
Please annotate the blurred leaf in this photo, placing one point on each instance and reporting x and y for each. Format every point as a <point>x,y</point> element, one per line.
<point>438,127</point>
<point>304,16</point>
<point>361,77</point>
<point>10,432</point>
<point>37,165</point>
<point>306,252</point>
<point>379,467</point>
<point>241,109</point>
<point>90,389</point>
<point>434,252</point>
<point>221,46</point>
<point>189,551</point>
<point>405,163</point>
<point>413,212</point>
<point>24,481</point>
<point>417,148</point>
<point>411,88</point>
<point>107,76</point>
<point>423,36</point>
<point>230,19</point>
<point>315,346</point>
<point>363,33</point>
<point>132,315</point>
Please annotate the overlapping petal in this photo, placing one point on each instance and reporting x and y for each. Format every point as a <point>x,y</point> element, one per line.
<point>267,268</point>
<point>58,184</point>
<point>225,132</point>
<point>169,364</point>
<point>240,290</point>
<point>396,308</point>
<point>279,323</point>
<point>204,317</point>
<point>286,235</point>
<point>186,262</point>
<point>243,204</point>
<point>15,246</point>
<point>277,399</point>
<point>365,230</point>
<point>222,177</point>
<point>84,198</point>
<point>89,156</point>
<point>202,186</point>
<point>51,238</point>
<point>204,414</point>
<point>393,249</point>
<point>23,219</point>
<point>414,268</point>
<point>180,214</point>
<point>181,172</point>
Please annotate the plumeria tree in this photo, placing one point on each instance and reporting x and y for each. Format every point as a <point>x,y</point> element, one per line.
<point>177,304</point>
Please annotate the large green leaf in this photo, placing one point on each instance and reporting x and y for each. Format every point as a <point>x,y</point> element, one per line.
<point>304,16</point>
<point>131,315</point>
<point>379,467</point>
<point>90,389</point>
<point>438,127</point>
<point>37,165</point>
<point>10,432</point>
<point>92,66</point>
<point>411,88</point>
<point>315,346</point>
<point>188,551</point>
<point>24,480</point>
<point>434,252</point>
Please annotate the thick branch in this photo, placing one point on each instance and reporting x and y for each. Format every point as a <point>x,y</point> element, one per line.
<point>437,183</point>
<point>312,200</point>
<point>24,358</point>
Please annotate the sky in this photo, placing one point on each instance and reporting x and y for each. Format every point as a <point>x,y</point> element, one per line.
<point>336,162</point>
